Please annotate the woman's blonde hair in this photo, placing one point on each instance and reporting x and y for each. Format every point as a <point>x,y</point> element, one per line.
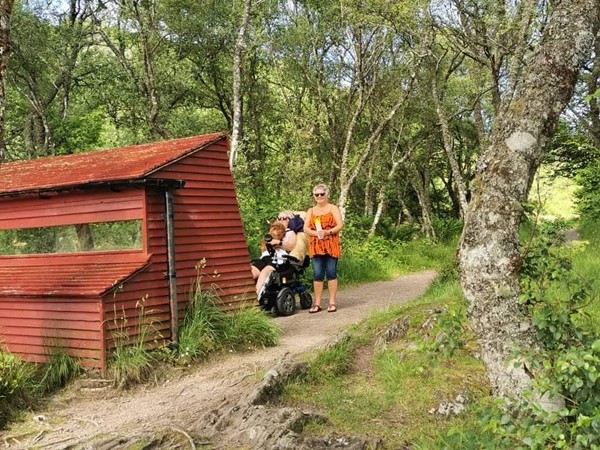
<point>321,186</point>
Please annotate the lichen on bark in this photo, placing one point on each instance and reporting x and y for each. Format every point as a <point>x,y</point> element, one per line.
<point>489,252</point>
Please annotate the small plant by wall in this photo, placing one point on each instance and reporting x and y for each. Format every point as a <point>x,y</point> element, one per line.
<point>132,360</point>
<point>59,370</point>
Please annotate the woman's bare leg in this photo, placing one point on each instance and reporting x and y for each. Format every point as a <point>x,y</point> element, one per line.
<point>332,286</point>
<point>318,287</point>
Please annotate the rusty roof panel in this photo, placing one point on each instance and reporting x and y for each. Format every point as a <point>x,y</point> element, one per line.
<point>103,166</point>
<point>76,275</point>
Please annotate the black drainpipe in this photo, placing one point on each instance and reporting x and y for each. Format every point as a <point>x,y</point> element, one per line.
<point>171,260</point>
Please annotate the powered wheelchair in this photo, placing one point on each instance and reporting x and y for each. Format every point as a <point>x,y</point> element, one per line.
<point>285,283</point>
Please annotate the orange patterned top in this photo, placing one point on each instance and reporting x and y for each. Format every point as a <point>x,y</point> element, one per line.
<point>329,245</point>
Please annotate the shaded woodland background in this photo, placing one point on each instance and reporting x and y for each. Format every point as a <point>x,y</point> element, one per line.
<point>388,102</point>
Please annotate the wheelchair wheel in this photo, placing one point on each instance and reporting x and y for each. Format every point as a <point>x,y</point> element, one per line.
<point>305,300</point>
<point>286,302</point>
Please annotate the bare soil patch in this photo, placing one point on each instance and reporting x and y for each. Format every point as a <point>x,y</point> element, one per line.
<point>216,404</point>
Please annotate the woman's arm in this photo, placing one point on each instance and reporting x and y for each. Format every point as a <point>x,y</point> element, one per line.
<point>307,228</point>
<point>289,241</point>
<point>337,215</point>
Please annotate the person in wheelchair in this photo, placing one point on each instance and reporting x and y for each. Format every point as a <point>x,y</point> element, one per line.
<point>280,279</point>
<point>273,254</point>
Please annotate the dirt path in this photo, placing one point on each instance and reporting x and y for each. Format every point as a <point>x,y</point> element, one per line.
<point>81,415</point>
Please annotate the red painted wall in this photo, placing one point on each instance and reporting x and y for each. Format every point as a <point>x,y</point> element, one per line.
<point>207,225</point>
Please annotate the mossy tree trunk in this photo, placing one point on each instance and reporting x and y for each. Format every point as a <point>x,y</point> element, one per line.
<point>489,249</point>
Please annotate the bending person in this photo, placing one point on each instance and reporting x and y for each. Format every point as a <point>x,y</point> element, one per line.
<point>289,239</point>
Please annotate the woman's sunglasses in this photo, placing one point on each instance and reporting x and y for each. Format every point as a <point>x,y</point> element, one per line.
<point>282,218</point>
<point>319,194</point>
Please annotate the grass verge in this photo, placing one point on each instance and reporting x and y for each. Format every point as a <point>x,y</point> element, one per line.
<point>393,389</point>
<point>388,388</point>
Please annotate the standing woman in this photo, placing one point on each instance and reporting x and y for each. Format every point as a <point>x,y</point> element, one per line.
<point>322,225</point>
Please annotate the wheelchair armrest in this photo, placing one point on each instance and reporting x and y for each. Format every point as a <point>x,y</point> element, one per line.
<point>291,259</point>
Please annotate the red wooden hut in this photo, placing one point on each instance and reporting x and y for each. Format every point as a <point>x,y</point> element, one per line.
<point>180,197</point>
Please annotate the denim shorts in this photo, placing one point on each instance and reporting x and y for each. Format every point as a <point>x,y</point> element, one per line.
<point>324,265</point>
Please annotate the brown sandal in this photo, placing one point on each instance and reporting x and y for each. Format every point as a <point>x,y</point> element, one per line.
<point>331,308</point>
<point>315,309</point>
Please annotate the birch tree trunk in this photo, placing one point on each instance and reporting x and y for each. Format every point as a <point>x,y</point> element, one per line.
<point>449,147</point>
<point>381,197</point>
<point>150,88</point>
<point>238,52</point>
<point>404,212</point>
<point>5,13</point>
<point>368,197</point>
<point>420,185</point>
<point>489,252</point>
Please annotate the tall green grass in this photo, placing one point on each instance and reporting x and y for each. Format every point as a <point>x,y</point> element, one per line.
<point>202,327</point>
<point>59,370</point>
<point>587,265</point>
<point>380,259</point>
<point>207,329</point>
<point>132,361</point>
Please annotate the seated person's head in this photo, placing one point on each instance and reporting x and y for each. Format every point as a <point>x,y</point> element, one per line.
<point>284,217</point>
<point>277,230</point>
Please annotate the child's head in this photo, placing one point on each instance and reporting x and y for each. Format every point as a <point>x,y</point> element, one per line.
<point>277,230</point>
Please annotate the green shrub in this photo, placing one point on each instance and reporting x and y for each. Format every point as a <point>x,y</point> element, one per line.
<point>451,336</point>
<point>16,375</point>
<point>447,229</point>
<point>17,382</point>
<point>588,197</point>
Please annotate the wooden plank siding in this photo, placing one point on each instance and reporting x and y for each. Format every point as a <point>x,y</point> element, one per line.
<point>208,226</point>
<point>71,208</point>
<point>143,301</point>
<point>34,327</point>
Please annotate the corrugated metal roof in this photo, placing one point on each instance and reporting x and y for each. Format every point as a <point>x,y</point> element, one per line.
<point>115,165</point>
<point>77,275</point>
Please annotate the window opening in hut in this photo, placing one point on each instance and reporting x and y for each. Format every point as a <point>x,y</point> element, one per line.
<point>85,237</point>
